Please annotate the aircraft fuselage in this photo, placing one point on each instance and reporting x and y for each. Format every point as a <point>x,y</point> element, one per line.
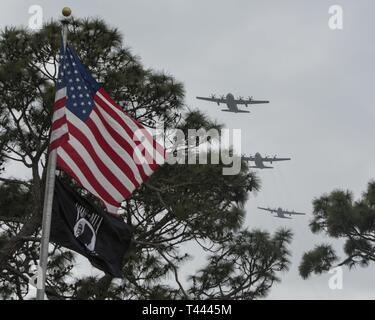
<point>258,160</point>
<point>280,213</point>
<point>231,102</point>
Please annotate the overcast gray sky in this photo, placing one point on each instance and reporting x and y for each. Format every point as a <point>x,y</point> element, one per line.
<point>319,82</point>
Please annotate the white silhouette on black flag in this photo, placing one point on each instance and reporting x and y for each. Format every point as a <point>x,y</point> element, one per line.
<point>80,226</point>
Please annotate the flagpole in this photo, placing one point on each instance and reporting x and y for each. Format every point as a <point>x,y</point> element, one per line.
<point>48,196</point>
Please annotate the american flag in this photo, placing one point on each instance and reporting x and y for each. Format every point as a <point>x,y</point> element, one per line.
<point>106,151</point>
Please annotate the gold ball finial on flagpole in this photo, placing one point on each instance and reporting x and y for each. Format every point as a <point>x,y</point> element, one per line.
<point>66,11</point>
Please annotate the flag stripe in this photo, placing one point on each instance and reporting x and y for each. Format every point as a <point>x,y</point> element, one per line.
<point>115,151</point>
<point>60,94</point>
<point>124,143</point>
<point>59,132</point>
<point>131,127</point>
<point>131,123</point>
<point>59,142</point>
<point>70,167</point>
<point>58,114</point>
<point>83,166</point>
<point>139,135</point>
<point>97,168</point>
<point>119,131</point>
<point>105,164</point>
<point>59,104</point>
<point>58,123</point>
<point>110,149</point>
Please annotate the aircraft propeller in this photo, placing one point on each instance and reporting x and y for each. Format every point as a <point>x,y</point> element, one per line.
<point>213,96</point>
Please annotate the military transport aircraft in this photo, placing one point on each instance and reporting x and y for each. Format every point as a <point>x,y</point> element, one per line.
<point>232,103</point>
<point>281,213</point>
<point>259,160</point>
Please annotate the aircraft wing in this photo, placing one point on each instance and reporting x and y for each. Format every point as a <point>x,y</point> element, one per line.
<point>266,159</point>
<point>294,213</point>
<point>258,101</point>
<point>216,100</point>
<point>264,167</point>
<point>248,158</point>
<point>238,111</point>
<point>267,209</point>
<point>250,101</point>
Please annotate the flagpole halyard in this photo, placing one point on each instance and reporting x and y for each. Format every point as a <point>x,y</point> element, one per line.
<point>48,196</point>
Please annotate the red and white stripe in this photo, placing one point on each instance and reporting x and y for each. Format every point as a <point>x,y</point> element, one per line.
<point>109,154</point>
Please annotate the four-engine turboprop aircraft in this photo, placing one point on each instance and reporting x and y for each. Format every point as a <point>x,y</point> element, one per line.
<point>259,160</point>
<point>232,103</point>
<point>281,213</point>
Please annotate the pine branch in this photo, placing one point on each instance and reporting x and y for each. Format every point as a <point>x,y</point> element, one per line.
<point>175,271</point>
<point>15,181</point>
<point>12,219</point>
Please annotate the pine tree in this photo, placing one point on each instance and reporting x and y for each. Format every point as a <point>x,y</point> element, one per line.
<point>339,216</point>
<point>179,205</point>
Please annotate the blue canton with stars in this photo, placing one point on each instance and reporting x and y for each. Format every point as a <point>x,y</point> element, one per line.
<point>80,85</point>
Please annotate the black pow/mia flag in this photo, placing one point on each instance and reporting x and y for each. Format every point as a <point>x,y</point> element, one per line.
<point>80,226</point>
